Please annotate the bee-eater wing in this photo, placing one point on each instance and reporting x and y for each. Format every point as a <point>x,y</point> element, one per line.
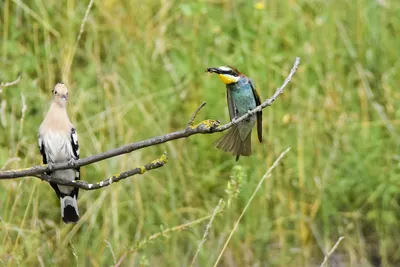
<point>231,104</point>
<point>259,114</point>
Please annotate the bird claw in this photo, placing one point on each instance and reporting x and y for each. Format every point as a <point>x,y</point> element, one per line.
<point>234,120</point>
<point>50,166</point>
<point>72,162</point>
<point>249,112</point>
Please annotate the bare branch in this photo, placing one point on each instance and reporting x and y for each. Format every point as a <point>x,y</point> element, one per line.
<point>82,28</point>
<point>8,84</point>
<point>331,251</point>
<point>190,123</point>
<point>204,127</point>
<point>115,178</point>
<point>165,232</point>
<point>208,227</point>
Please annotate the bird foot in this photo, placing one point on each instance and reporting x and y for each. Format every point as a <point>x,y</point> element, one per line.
<point>50,165</point>
<point>249,112</point>
<point>234,120</point>
<point>72,162</point>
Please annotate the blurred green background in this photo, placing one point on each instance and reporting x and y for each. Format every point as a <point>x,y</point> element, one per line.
<point>138,72</point>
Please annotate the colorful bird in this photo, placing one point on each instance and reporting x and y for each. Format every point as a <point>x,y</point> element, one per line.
<point>242,96</point>
<point>58,142</point>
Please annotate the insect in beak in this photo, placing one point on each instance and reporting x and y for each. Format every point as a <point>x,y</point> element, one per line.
<point>213,70</point>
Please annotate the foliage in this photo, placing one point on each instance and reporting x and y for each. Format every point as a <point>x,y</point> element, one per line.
<point>138,71</point>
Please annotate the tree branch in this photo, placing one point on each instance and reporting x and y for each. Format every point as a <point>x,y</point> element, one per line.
<point>190,123</point>
<point>8,84</point>
<point>204,127</point>
<point>115,178</point>
<point>327,256</point>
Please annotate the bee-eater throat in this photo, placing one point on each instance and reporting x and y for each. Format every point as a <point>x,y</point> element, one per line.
<point>228,79</point>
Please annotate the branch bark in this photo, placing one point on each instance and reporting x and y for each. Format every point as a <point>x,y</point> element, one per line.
<point>204,127</point>
<point>115,178</point>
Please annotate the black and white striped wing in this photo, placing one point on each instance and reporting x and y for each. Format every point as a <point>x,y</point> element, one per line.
<point>74,143</point>
<point>75,151</point>
<point>42,149</point>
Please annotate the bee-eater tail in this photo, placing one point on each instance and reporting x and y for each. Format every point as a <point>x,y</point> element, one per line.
<point>231,142</point>
<point>69,209</point>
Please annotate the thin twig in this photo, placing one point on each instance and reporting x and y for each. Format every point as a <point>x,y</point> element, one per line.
<point>8,84</point>
<point>121,260</point>
<point>111,250</point>
<point>190,123</point>
<point>208,227</point>
<point>266,176</point>
<point>81,30</point>
<point>204,127</point>
<point>115,178</point>
<point>331,251</point>
<point>164,233</point>
<point>170,230</point>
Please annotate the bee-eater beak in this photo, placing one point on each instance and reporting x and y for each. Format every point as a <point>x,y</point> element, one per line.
<point>213,70</point>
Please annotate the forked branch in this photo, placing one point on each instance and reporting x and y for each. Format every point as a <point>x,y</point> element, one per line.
<point>204,127</point>
<point>155,164</point>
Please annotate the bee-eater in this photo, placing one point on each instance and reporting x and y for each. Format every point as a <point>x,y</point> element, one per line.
<point>58,142</point>
<point>242,96</point>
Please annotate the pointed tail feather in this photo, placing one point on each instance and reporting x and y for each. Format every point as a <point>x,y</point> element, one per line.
<point>69,209</point>
<point>231,142</point>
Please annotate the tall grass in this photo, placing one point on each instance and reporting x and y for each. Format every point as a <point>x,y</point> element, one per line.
<point>138,71</point>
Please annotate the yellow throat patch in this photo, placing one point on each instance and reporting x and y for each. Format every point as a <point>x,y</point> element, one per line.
<point>227,79</point>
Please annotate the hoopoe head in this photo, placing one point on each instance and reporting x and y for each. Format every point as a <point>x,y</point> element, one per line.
<point>60,94</point>
<point>228,75</point>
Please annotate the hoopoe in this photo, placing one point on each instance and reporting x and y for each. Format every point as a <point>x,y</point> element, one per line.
<point>58,142</point>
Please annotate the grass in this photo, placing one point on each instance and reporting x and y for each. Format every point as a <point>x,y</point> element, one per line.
<point>138,71</point>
